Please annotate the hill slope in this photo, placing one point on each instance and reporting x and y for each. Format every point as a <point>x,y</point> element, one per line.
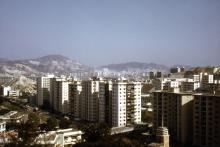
<point>135,67</point>
<point>48,64</point>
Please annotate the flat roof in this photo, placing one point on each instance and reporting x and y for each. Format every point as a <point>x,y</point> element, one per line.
<point>166,91</point>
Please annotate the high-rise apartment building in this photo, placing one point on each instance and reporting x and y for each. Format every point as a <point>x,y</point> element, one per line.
<point>174,111</point>
<point>126,103</point>
<point>43,90</point>
<point>89,100</point>
<point>206,121</point>
<point>133,103</point>
<point>104,101</point>
<point>75,92</point>
<point>95,100</point>
<point>60,99</point>
<point>119,104</point>
<point>108,102</point>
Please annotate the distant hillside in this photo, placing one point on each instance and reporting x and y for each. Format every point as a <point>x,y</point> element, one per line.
<point>135,67</point>
<point>59,64</point>
<point>3,59</point>
<point>23,84</point>
<point>48,64</point>
<point>197,70</point>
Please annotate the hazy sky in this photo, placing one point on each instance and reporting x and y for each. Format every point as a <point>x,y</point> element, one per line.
<point>97,32</point>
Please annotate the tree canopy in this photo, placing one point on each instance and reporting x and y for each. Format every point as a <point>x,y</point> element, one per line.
<point>64,123</point>
<point>52,123</point>
<point>96,132</point>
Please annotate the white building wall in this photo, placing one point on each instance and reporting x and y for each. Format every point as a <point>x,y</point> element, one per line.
<point>60,96</point>
<point>2,127</point>
<point>6,90</point>
<point>64,98</point>
<point>119,104</point>
<point>137,89</point>
<point>43,89</point>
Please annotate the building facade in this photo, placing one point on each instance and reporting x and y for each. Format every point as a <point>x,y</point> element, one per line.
<point>89,100</point>
<point>75,92</point>
<point>126,103</point>
<point>206,122</point>
<point>119,104</point>
<point>2,126</point>
<point>43,90</point>
<point>133,103</point>
<point>60,97</point>
<point>174,111</point>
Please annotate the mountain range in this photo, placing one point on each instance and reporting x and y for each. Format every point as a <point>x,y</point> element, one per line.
<point>135,67</point>
<point>59,64</point>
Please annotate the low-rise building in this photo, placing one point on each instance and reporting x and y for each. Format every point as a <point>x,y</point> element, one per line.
<point>147,97</point>
<point>13,93</point>
<point>8,137</point>
<point>189,86</point>
<point>12,116</point>
<point>4,90</point>
<point>177,69</point>
<point>2,126</point>
<point>60,137</point>
<point>207,78</point>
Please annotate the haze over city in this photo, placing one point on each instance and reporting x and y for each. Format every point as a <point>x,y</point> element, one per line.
<point>110,73</point>
<point>102,32</point>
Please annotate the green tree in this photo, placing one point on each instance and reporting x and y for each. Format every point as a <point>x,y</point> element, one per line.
<point>52,123</point>
<point>65,123</point>
<point>27,132</point>
<point>96,132</point>
<point>112,141</point>
<point>34,119</point>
